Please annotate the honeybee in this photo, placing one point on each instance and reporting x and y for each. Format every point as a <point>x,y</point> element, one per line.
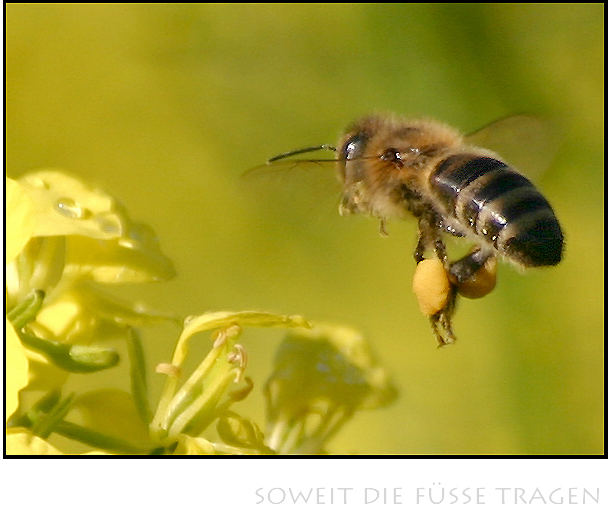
<point>392,167</point>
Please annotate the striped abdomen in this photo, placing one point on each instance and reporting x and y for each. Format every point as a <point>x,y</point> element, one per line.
<point>499,205</point>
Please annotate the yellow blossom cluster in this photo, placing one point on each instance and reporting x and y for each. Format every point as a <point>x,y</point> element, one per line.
<point>65,242</point>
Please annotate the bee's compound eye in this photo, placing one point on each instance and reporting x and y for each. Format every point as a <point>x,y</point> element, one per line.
<point>431,286</point>
<point>354,146</point>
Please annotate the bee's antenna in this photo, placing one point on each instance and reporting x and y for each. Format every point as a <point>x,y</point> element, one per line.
<point>327,147</point>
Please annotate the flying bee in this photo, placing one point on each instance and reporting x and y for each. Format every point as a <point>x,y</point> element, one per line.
<point>392,167</point>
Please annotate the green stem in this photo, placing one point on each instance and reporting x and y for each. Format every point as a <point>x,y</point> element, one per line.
<point>97,439</point>
<point>45,423</point>
<point>138,375</point>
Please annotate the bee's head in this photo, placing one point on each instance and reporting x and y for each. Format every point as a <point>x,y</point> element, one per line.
<point>372,145</point>
<point>353,147</point>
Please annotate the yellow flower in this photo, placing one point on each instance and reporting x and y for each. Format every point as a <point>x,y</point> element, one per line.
<point>321,377</point>
<point>64,241</point>
<point>103,243</point>
<point>82,312</point>
<point>189,407</point>
<point>65,238</point>
<point>74,232</point>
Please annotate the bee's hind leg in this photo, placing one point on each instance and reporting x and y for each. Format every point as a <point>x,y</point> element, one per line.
<point>472,276</point>
<point>465,268</point>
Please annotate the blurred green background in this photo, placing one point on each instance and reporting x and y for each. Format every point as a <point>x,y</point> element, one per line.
<point>165,106</point>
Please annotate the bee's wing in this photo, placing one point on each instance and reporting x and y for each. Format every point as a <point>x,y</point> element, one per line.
<point>308,185</point>
<point>294,168</point>
<point>528,143</point>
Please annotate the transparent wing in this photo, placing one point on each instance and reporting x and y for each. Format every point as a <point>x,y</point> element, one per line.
<point>528,143</point>
<point>294,168</point>
<point>290,186</point>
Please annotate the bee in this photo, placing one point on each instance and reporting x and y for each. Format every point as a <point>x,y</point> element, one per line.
<point>392,167</point>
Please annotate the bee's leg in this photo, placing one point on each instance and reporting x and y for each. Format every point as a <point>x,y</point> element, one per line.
<point>460,273</point>
<point>440,249</point>
<point>382,227</point>
<point>427,238</point>
<point>463,269</point>
<point>420,249</point>
<point>441,322</point>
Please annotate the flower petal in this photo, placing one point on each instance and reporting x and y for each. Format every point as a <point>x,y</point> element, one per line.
<point>190,445</point>
<point>64,205</point>
<point>19,218</point>
<point>136,258</point>
<point>321,377</point>
<point>20,441</point>
<point>225,319</point>
<point>331,361</point>
<point>104,244</point>
<point>16,369</point>
<point>84,313</point>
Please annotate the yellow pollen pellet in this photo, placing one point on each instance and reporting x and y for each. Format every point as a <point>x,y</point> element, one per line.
<point>431,286</point>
